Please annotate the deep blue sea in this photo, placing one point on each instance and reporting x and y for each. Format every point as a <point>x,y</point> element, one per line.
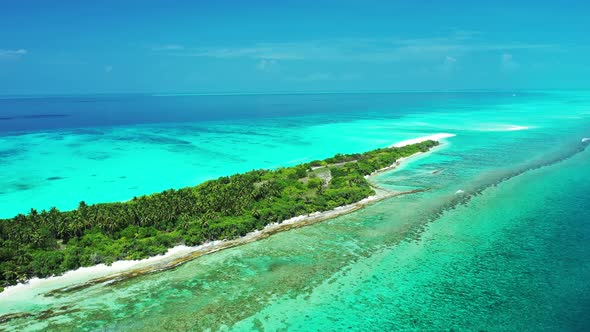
<point>499,242</point>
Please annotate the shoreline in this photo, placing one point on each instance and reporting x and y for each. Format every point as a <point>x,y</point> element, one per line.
<point>435,137</point>
<point>124,269</point>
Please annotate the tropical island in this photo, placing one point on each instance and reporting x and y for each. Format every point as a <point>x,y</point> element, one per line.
<point>47,243</point>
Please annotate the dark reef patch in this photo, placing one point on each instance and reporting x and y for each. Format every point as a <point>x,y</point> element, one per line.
<point>74,145</point>
<point>152,139</point>
<point>87,131</point>
<point>9,317</point>
<point>33,116</point>
<point>182,148</point>
<point>56,137</point>
<point>10,153</point>
<point>49,313</point>
<point>98,156</point>
<point>54,178</point>
<point>23,186</point>
<point>233,132</point>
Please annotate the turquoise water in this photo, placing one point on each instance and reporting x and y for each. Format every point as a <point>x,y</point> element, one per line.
<point>509,251</point>
<point>51,155</point>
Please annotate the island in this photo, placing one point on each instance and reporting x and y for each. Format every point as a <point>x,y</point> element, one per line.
<point>48,243</point>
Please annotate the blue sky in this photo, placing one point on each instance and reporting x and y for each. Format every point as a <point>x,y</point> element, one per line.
<point>109,46</point>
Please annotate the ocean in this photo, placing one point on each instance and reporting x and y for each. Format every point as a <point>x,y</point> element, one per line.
<point>498,242</point>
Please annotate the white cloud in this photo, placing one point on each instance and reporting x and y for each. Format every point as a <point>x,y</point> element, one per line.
<point>325,76</point>
<point>267,65</point>
<point>448,64</point>
<point>361,49</point>
<point>314,77</point>
<point>507,62</point>
<point>450,60</point>
<point>263,51</point>
<point>13,53</point>
<point>168,47</point>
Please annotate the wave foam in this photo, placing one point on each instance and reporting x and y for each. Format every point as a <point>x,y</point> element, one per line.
<point>503,127</point>
<point>514,128</point>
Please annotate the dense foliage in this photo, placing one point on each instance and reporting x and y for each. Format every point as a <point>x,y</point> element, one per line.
<point>51,242</point>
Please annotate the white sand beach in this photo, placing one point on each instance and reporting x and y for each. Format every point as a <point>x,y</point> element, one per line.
<point>435,137</point>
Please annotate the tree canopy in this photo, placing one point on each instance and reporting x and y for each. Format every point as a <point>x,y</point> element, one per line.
<point>46,243</point>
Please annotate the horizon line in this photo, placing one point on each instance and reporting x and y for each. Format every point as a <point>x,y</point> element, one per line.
<point>262,93</point>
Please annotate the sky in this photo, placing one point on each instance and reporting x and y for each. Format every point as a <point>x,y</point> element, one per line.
<point>222,46</point>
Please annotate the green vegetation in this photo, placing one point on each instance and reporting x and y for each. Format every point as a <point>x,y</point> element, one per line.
<point>51,242</point>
